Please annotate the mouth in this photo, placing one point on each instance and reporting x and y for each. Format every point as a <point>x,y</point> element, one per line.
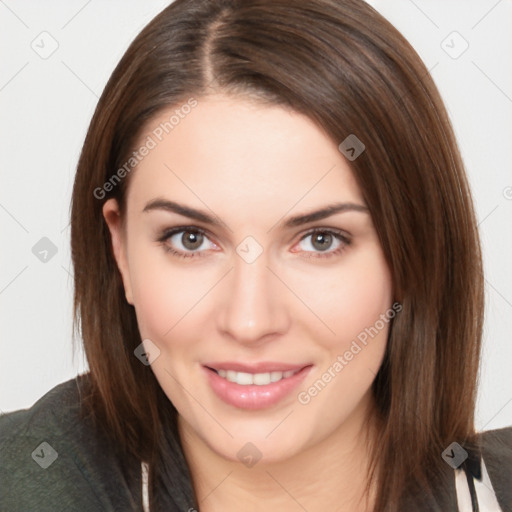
<point>254,386</point>
<point>258,379</point>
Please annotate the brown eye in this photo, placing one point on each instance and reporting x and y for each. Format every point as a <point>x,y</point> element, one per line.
<point>187,242</point>
<point>191,240</point>
<point>324,243</point>
<point>321,241</point>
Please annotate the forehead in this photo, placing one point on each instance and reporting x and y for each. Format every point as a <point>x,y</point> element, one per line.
<point>238,150</point>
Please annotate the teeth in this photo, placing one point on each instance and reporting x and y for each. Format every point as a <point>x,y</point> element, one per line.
<point>275,376</point>
<point>260,379</point>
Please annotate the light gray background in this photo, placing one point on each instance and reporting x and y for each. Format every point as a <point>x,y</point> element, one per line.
<point>46,105</point>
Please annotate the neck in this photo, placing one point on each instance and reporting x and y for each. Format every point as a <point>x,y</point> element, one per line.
<point>330,475</point>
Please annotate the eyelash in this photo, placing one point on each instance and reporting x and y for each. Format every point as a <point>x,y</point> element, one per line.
<point>340,235</point>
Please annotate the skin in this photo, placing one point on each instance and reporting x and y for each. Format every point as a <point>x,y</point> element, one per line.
<point>253,166</point>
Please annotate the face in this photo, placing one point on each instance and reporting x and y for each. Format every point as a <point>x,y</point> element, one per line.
<point>266,323</point>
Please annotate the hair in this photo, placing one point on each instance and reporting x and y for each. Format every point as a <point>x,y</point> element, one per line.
<point>349,70</point>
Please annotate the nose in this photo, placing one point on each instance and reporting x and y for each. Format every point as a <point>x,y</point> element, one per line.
<point>253,308</point>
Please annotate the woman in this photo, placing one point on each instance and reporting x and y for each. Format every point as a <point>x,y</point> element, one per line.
<point>278,280</point>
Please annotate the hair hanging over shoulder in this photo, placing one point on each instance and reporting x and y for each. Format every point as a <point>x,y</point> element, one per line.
<point>343,65</point>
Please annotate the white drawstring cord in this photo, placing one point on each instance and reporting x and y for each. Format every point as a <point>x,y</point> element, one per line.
<point>145,486</point>
<point>486,496</point>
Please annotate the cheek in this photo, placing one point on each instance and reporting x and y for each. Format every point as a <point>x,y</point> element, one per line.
<point>349,299</point>
<point>357,305</point>
<point>163,294</point>
<point>167,302</point>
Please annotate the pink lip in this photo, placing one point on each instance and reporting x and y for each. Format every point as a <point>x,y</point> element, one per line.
<point>253,397</point>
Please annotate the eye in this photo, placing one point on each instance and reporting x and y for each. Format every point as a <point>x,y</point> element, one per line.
<point>191,242</point>
<point>324,243</point>
<point>186,242</point>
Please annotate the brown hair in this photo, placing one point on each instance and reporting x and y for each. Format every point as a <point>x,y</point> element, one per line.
<point>347,68</point>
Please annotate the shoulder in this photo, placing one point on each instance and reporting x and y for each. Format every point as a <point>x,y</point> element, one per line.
<point>496,446</point>
<point>57,408</point>
<point>496,449</point>
<point>497,442</point>
<point>54,459</point>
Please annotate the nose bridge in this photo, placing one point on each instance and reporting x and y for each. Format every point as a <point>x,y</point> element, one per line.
<point>252,308</point>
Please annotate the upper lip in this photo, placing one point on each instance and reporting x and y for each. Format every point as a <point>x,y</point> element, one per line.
<point>261,367</point>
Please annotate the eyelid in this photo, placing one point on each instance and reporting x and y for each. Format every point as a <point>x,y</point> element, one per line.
<point>167,233</point>
<point>342,236</point>
<point>336,231</point>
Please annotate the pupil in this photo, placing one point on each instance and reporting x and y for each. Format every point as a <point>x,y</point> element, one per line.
<point>191,240</point>
<point>324,241</point>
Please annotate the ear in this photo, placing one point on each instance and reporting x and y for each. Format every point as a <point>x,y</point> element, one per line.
<point>112,216</point>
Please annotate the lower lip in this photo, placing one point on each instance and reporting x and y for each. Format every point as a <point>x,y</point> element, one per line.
<point>252,396</point>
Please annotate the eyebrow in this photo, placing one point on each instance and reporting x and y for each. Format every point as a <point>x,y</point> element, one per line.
<point>297,220</point>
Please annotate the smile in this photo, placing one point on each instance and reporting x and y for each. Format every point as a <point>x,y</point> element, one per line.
<point>251,387</point>
<point>259,379</point>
